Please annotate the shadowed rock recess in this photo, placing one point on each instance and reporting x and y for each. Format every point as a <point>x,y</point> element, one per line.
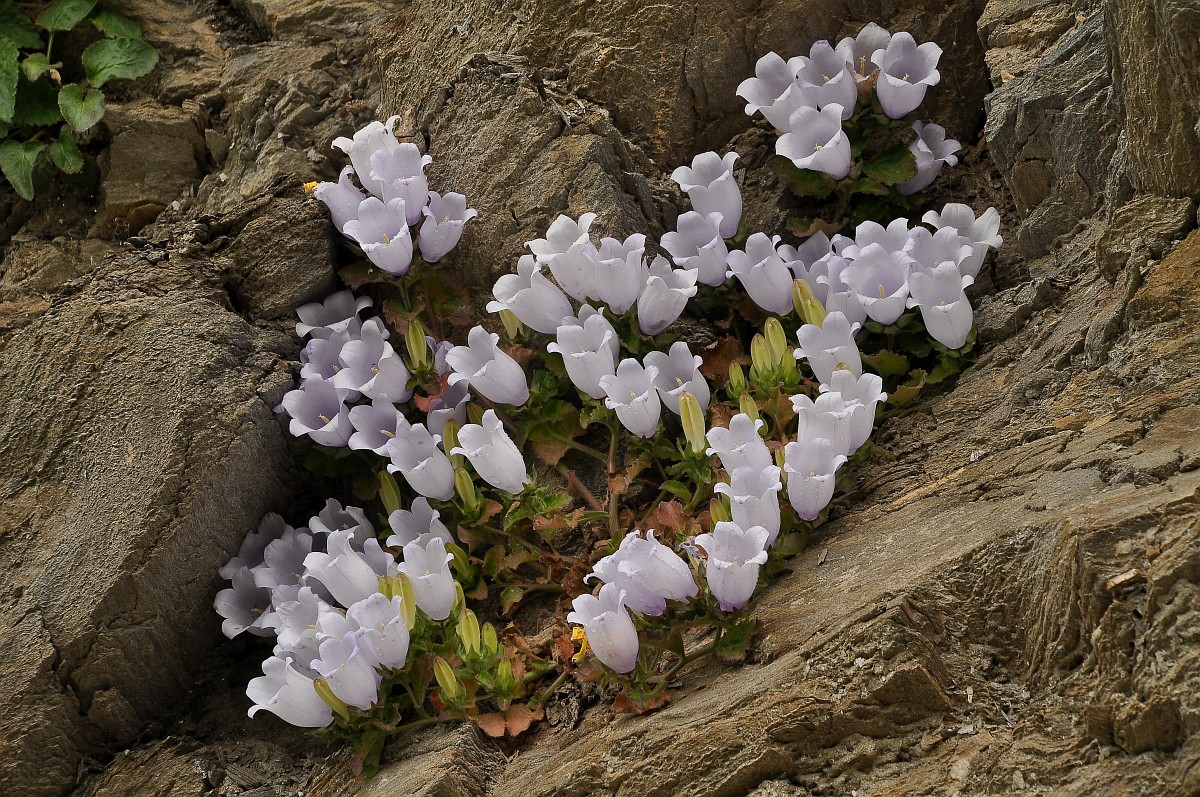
<point>1010,605</point>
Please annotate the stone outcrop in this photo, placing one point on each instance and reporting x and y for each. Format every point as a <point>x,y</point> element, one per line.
<point>1007,606</point>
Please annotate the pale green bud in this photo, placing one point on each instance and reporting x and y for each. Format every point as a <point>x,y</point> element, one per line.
<point>475,413</point>
<point>693,422</point>
<point>505,678</point>
<point>737,379</point>
<point>512,325</point>
<point>490,643</point>
<point>718,508</point>
<point>806,303</point>
<point>748,406</point>
<point>464,488</point>
<point>468,631</point>
<point>447,680</point>
<point>418,349</point>
<point>777,347</point>
<point>450,442</point>
<point>408,600</point>
<point>761,363</point>
<point>389,492</point>
<point>326,694</point>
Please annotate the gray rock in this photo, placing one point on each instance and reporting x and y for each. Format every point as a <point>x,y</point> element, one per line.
<point>1142,228</point>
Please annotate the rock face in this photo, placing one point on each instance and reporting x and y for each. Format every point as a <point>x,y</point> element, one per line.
<point>1009,606</point>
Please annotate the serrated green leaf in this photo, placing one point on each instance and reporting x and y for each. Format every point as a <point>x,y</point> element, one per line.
<point>865,185</point>
<point>887,363</point>
<point>115,26</point>
<point>801,182</point>
<point>16,162</point>
<point>37,103</point>
<point>9,73</point>
<point>64,14</point>
<point>64,154</point>
<point>906,393</point>
<point>16,26</point>
<point>81,108</point>
<point>123,59</point>
<point>735,642</point>
<point>36,65</point>
<point>891,166</point>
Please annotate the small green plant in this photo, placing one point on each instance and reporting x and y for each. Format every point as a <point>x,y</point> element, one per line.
<point>46,106</point>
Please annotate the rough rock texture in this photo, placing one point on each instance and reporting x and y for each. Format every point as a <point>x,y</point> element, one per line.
<point>1008,606</point>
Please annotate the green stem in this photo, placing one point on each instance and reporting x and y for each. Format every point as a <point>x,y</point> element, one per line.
<point>614,508</point>
<point>549,690</point>
<point>580,447</point>
<point>579,488</point>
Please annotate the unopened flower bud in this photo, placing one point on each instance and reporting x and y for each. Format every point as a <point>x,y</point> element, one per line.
<point>490,643</point>
<point>418,348</point>
<point>512,325</point>
<point>748,406</point>
<point>450,442</point>
<point>806,303</point>
<point>777,347</point>
<point>447,680</point>
<point>400,585</point>
<point>737,379</point>
<point>389,492</point>
<point>326,694</point>
<point>693,422</point>
<point>468,631</point>
<point>505,679</point>
<point>464,488</point>
<point>761,363</point>
<point>718,509</point>
<point>779,460</point>
<point>475,414</point>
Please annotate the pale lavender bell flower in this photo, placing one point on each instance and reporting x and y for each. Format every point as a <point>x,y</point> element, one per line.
<point>451,404</point>
<point>773,91</point>
<point>698,244</point>
<point>317,409</point>
<point>375,137</point>
<point>621,272</point>
<point>829,347</point>
<point>250,554</point>
<point>896,237</point>
<point>664,296</point>
<point>839,297</point>
<point>418,522</point>
<point>492,373</point>
<point>608,626</point>
<point>345,572</point>
<point>564,235</point>
<point>349,671</point>
<point>808,261</point>
<point>342,198</point>
<point>710,184</point>
<point>493,454</point>
<point>531,297</point>
<point>754,498</point>
<point>383,633</point>
<point>827,79</point>
<point>880,279</point>
<point>740,445</point>
<point>930,250</point>
<point>828,417</point>
<point>648,572</point>
<point>567,250</point>
<point>630,392</point>
<point>376,424</point>
<point>288,694</point>
<point>857,51</point>
<point>931,149</point>
<point>283,560</point>
<point>678,372</point>
<point>905,72</point>
<point>763,274</point>
<point>734,558</point>
<point>297,614</point>
<point>337,313</point>
<point>371,366</point>
<point>445,216</point>
<point>982,233</point>
<point>382,233</point>
<point>428,569</point>
<point>244,606</point>
<point>863,394</point>
<point>589,348</point>
<point>416,456</point>
<point>322,357</point>
<point>400,174</point>
<point>811,467</point>
<point>815,140</point>
<point>335,517</point>
<point>940,293</point>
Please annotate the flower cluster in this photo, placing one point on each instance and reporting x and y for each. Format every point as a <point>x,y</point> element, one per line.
<point>812,100</point>
<point>397,198</point>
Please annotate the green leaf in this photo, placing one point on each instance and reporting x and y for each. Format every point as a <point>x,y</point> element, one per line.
<point>81,108</point>
<point>65,14</point>
<point>8,79</point>
<point>118,58</point>
<point>36,65</point>
<point>16,161</point>
<point>16,26</point>
<point>115,26</point>
<point>906,393</point>
<point>887,363</point>
<point>64,154</point>
<point>868,186</point>
<point>801,182</point>
<point>37,103</point>
<point>509,598</point>
<point>891,166</point>
<point>734,643</point>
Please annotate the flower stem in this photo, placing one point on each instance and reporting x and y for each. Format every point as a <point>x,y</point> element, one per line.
<point>579,488</point>
<point>549,690</point>
<point>580,447</point>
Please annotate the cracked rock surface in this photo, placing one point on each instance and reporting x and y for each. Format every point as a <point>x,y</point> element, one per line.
<point>1009,606</point>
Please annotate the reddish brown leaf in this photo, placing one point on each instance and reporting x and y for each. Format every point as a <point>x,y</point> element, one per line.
<point>490,509</point>
<point>719,356</point>
<point>670,516</point>
<point>493,725</point>
<point>522,354</point>
<point>721,415</point>
<point>518,718</point>
<point>626,705</point>
<point>563,648</point>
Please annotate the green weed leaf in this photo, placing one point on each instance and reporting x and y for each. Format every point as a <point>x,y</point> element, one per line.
<point>8,79</point>
<point>64,154</point>
<point>891,166</point>
<point>82,108</point>
<point>16,161</point>
<point>37,103</point>
<point>125,58</point>
<point>17,27</point>
<point>115,26</point>
<point>65,14</point>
